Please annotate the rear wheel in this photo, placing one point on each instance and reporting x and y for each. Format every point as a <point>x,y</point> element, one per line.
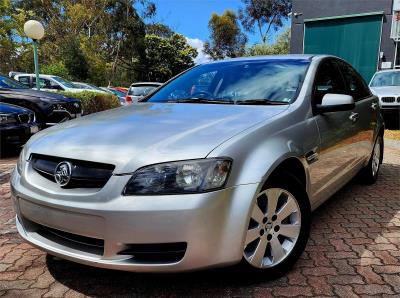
<point>370,173</point>
<point>279,226</point>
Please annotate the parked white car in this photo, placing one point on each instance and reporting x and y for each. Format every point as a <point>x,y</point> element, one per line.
<point>139,90</point>
<point>47,82</point>
<point>386,85</point>
<point>89,87</point>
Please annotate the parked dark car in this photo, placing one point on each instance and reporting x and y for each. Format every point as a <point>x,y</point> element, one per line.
<point>17,124</point>
<point>50,108</point>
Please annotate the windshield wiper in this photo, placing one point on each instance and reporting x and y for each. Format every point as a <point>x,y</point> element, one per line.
<point>200,100</point>
<point>260,102</point>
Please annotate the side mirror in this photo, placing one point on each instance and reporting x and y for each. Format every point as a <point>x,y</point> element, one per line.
<point>336,103</point>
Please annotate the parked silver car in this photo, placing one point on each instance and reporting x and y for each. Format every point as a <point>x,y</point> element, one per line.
<point>386,85</point>
<point>197,177</point>
<point>139,90</point>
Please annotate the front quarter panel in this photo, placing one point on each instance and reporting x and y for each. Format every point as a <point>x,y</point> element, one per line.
<point>256,153</point>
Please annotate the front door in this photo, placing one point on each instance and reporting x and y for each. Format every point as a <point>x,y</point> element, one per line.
<point>337,153</point>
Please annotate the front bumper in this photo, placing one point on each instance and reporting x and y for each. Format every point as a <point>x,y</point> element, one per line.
<point>212,225</point>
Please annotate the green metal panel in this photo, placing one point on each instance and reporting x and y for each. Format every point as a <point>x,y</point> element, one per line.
<point>355,39</point>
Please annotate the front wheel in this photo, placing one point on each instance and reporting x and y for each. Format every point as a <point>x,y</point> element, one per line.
<point>279,226</point>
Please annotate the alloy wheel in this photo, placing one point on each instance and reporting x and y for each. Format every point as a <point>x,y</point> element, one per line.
<point>376,157</point>
<point>273,229</point>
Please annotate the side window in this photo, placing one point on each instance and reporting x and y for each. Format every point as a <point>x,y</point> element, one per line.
<point>328,80</point>
<point>24,81</point>
<point>55,85</point>
<point>355,84</point>
<point>45,83</point>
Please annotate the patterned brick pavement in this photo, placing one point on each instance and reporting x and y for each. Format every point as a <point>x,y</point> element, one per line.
<point>354,251</point>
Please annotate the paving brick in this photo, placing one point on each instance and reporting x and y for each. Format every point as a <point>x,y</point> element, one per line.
<point>370,276</point>
<point>345,291</point>
<point>318,271</point>
<point>387,269</point>
<point>292,291</point>
<point>373,289</point>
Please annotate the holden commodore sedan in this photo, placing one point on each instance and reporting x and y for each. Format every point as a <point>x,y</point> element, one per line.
<point>221,165</point>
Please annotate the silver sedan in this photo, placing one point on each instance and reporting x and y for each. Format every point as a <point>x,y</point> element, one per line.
<point>221,165</point>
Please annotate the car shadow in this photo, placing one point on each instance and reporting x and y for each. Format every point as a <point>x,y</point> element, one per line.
<point>103,282</point>
<point>355,210</point>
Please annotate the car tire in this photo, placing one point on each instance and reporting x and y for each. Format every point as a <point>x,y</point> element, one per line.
<point>284,234</point>
<point>369,174</point>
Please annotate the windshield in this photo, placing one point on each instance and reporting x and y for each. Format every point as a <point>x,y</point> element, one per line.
<point>6,83</point>
<point>141,90</point>
<point>254,81</point>
<point>386,79</point>
<point>66,83</point>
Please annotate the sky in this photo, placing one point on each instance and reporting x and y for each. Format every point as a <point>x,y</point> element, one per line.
<point>190,18</point>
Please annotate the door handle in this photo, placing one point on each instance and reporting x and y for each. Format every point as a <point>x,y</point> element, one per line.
<point>374,106</point>
<point>354,117</point>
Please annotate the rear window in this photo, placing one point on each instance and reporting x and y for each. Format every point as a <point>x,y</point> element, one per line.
<point>141,90</point>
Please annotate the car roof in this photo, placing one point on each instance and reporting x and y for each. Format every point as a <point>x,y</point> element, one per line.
<point>32,74</point>
<point>271,57</point>
<point>146,83</point>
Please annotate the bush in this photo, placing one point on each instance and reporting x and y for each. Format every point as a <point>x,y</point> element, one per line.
<point>93,102</point>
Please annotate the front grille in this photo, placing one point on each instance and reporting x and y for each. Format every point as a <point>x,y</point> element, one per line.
<point>26,118</point>
<point>388,99</point>
<point>85,174</point>
<point>398,99</point>
<point>156,253</point>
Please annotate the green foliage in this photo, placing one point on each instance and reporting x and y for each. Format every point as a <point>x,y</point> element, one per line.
<point>167,57</point>
<point>57,69</point>
<point>99,41</point>
<point>75,61</point>
<point>93,102</point>
<point>280,47</point>
<point>159,30</point>
<point>265,15</point>
<point>226,37</point>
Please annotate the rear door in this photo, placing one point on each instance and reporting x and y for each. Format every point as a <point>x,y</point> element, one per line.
<point>366,110</point>
<point>337,154</point>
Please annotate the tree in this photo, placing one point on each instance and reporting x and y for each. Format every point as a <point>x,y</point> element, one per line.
<point>227,40</point>
<point>167,57</point>
<point>265,15</point>
<point>159,30</point>
<point>99,41</point>
<point>280,47</point>
<point>75,61</point>
<point>57,69</point>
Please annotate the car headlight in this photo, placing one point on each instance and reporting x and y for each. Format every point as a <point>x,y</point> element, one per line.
<point>20,162</point>
<point>183,177</point>
<point>7,119</point>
